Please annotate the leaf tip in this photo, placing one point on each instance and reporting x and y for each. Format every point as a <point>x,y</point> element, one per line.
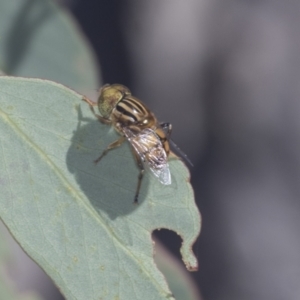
<point>189,259</point>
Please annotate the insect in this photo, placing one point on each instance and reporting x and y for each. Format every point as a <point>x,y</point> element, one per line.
<point>138,125</point>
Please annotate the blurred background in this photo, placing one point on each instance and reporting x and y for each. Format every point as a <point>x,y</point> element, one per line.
<point>226,74</point>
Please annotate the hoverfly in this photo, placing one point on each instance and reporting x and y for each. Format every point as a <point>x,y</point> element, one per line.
<point>137,124</point>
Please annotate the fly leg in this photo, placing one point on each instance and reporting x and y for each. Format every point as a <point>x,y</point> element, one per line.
<point>167,128</point>
<point>111,146</point>
<point>91,105</point>
<point>140,177</point>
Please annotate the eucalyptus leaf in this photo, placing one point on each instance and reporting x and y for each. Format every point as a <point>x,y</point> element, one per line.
<point>7,289</point>
<point>39,39</point>
<point>8,293</point>
<point>76,219</point>
<point>180,282</point>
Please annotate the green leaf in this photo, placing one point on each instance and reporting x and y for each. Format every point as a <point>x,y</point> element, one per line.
<point>39,39</point>
<point>8,293</point>
<point>179,280</point>
<point>76,219</point>
<point>7,290</point>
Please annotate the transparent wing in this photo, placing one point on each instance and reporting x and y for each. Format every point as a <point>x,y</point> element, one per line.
<point>163,174</point>
<point>149,147</point>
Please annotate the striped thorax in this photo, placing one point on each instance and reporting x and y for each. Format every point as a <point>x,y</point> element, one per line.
<point>131,111</point>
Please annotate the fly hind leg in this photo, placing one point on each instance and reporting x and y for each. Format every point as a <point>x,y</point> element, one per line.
<point>140,177</point>
<point>111,146</point>
<point>167,128</point>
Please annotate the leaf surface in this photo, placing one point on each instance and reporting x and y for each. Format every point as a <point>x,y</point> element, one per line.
<point>7,289</point>
<point>74,218</point>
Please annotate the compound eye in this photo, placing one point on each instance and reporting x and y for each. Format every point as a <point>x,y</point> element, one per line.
<point>109,96</point>
<point>122,88</point>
